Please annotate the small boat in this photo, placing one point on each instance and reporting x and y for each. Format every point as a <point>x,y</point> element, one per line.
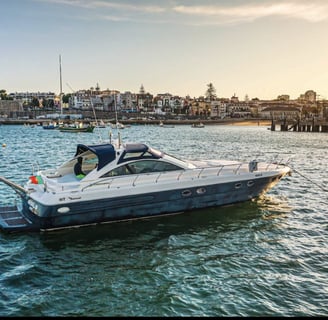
<point>28,125</point>
<point>77,127</point>
<point>50,126</point>
<point>161,124</point>
<point>198,125</point>
<point>118,182</point>
<point>101,124</point>
<point>117,125</point>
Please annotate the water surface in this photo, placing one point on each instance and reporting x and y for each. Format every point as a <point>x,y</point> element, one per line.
<point>262,258</point>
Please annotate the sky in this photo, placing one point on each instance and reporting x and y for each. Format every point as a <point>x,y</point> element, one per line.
<point>258,48</point>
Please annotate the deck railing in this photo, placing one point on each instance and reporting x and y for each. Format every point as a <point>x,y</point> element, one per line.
<point>156,177</point>
<point>193,174</point>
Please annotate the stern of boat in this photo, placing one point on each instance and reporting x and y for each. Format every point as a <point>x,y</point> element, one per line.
<point>13,220</point>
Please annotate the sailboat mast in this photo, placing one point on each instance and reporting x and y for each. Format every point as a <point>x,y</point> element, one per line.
<point>61,87</point>
<point>115,110</point>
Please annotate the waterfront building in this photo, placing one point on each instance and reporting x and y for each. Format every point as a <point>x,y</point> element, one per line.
<point>281,112</point>
<point>218,109</point>
<point>310,96</point>
<point>200,107</point>
<point>307,104</point>
<point>144,101</point>
<point>128,102</point>
<point>283,97</point>
<point>10,108</point>
<point>27,97</point>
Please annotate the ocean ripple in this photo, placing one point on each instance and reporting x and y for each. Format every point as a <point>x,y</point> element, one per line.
<point>262,258</point>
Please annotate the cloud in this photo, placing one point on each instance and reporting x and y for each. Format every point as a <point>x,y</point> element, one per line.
<point>179,13</point>
<point>94,4</point>
<point>309,12</point>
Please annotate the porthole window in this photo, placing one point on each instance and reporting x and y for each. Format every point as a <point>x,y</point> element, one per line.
<point>186,193</point>
<point>250,183</point>
<point>238,185</point>
<point>200,190</point>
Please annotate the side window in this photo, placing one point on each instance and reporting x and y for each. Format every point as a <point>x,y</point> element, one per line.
<point>153,166</point>
<point>120,171</point>
<point>164,166</point>
<point>143,166</point>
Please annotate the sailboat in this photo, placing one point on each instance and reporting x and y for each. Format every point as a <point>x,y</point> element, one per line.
<point>101,124</point>
<point>198,125</point>
<point>116,125</point>
<point>77,126</point>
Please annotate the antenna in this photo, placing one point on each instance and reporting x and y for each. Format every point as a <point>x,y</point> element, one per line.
<point>119,139</point>
<point>61,86</point>
<point>115,112</point>
<point>94,113</point>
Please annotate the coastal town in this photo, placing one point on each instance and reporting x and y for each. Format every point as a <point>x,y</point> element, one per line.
<point>145,106</point>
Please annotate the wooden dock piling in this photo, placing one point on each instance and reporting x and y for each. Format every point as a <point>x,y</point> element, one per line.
<point>300,126</point>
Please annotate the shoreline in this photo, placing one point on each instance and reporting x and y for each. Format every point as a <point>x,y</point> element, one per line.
<point>243,122</point>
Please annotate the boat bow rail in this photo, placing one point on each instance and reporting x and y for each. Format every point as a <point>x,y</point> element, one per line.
<point>183,175</point>
<point>51,183</point>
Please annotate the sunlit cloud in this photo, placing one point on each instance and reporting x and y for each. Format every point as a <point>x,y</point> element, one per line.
<point>308,12</point>
<point>93,4</point>
<point>179,13</point>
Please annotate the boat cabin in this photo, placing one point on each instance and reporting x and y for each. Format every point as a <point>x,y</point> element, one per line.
<point>130,159</point>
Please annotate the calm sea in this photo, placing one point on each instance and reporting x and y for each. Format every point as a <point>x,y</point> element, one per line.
<point>262,258</point>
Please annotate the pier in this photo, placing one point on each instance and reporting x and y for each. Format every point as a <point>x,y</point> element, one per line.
<point>300,125</point>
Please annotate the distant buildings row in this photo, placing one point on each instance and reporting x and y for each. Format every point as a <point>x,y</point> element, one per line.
<point>306,105</point>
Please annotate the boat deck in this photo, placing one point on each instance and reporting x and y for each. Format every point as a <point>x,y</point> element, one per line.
<point>10,217</point>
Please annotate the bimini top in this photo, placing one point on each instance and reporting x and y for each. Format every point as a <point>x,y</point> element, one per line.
<point>106,152</point>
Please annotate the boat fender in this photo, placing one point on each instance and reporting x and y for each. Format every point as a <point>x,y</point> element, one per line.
<point>63,210</point>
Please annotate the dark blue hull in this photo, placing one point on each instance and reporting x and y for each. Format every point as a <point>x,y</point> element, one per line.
<point>140,206</point>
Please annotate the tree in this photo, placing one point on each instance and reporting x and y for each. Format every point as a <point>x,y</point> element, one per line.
<point>210,92</point>
<point>35,102</point>
<point>48,104</point>
<point>51,104</point>
<point>4,96</point>
<point>44,102</point>
<point>66,98</point>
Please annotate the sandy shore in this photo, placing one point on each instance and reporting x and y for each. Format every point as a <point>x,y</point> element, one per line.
<point>251,123</point>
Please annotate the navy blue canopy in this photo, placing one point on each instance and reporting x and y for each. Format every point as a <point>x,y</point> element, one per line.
<point>137,151</point>
<point>105,152</point>
<point>136,147</point>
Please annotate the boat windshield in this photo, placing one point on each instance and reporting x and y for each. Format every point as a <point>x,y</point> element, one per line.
<point>185,164</point>
<point>142,166</point>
